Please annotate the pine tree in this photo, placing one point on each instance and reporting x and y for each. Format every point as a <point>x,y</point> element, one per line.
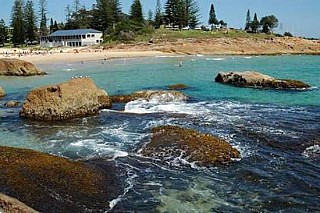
<point>255,24</point>
<point>3,32</point>
<point>17,22</point>
<point>51,25</point>
<point>43,17</point>
<point>248,21</point>
<point>106,14</point>
<point>181,15</point>
<point>192,11</point>
<point>136,12</point>
<point>171,10</point>
<point>55,26</point>
<point>158,16</point>
<point>213,17</point>
<point>30,20</point>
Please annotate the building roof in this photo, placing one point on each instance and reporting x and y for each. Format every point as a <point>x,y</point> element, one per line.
<point>73,32</point>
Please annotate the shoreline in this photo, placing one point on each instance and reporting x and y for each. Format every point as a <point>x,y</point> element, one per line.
<point>179,47</point>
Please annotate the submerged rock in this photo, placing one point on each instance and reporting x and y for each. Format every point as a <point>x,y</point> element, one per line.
<point>16,67</point>
<point>178,87</point>
<point>2,93</point>
<point>53,184</point>
<point>9,204</point>
<point>75,98</point>
<point>258,80</point>
<point>169,142</point>
<point>149,95</point>
<point>11,104</point>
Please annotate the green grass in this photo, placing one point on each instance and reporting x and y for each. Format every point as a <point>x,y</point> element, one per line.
<point>173,35</point>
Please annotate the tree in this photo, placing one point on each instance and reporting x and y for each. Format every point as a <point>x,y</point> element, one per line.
<point>43,17</point>
<point>136,12</point>
<point>17,22</point>
<point>268,23</point>
<point>255,24</point>
<point>213,17</point>
<point>158,16</point>
<point>150,17</point>
<point>192,12</point>
<point>105,15</point>
<point>176,13</point>
<point>30,22</point>
<point>288,34</point>
<point>248,21</point>
<point>3,32</point>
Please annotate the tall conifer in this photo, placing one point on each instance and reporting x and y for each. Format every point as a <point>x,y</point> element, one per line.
<point>248,21</point>
<point>158,15</point>
<point>30,21</point>
<point>213,17</point>
<point>136,12</point>
<point>17,22</point>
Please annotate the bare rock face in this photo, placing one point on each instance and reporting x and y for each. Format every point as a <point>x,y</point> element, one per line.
<point>258,80</point>
<point>2,93</point>
<point>75,98</point>
<point>160,95</point>
<point>169,142</point>
<point>9,204</point>
<point>16,67</point>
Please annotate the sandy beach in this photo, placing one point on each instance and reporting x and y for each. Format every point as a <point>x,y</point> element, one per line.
<point>216,46</point>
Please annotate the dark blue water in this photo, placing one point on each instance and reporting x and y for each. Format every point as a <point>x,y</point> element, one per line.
<point>277,133</point>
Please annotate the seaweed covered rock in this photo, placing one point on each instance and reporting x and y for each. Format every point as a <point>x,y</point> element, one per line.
<point>2,93</point>
<point>258,80</point>
<point>169,142</point>
<point>16,67</point>
<point>178,87</point>
<point>12,104</point>
<point>149,95</point>
<point>78,97</point>
<point>9,204</point>
<point>53,184</point>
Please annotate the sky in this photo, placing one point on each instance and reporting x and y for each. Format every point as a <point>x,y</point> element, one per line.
<point>300,17</point>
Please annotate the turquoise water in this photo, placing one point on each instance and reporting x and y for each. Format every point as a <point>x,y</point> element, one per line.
<point>276,131</point>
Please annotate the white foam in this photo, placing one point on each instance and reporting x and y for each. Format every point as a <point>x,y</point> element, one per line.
<point>129,181</point>
<point>312,151</point>
<point>215,59</point>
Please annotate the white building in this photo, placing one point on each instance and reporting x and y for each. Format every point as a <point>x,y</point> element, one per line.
<point>72,38</point>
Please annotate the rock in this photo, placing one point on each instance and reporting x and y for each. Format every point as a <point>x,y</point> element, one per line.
<point>178,87</point>
<point>169,142</point>
<point>16,67</point>
<point>75,98</point>
<point>9,204</point>
<point>53,184</point>
<point>11,104</point>
<point>258,80</point>
<point>149,95</point>
<point>2,93</point>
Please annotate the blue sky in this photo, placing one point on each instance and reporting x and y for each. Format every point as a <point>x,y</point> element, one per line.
<point>300,17</point>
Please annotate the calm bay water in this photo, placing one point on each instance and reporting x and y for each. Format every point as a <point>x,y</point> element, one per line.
<point>277,132</point>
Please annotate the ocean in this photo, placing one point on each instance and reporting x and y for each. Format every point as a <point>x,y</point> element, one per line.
<point>277,132</point>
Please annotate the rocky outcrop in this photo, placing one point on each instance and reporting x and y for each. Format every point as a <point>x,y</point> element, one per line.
<point>76,98</point>
<point>12,104</point>
<point>16,67</point>
<point>149,95</point>
<point>53,184</point>
<point>9,204</point>
<point>2,93</point>
<point>169,142</point>
<point>258,80</point>
<point>178,87</point>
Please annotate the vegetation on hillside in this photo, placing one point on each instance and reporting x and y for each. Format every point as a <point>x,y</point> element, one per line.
<point>180,16</point>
